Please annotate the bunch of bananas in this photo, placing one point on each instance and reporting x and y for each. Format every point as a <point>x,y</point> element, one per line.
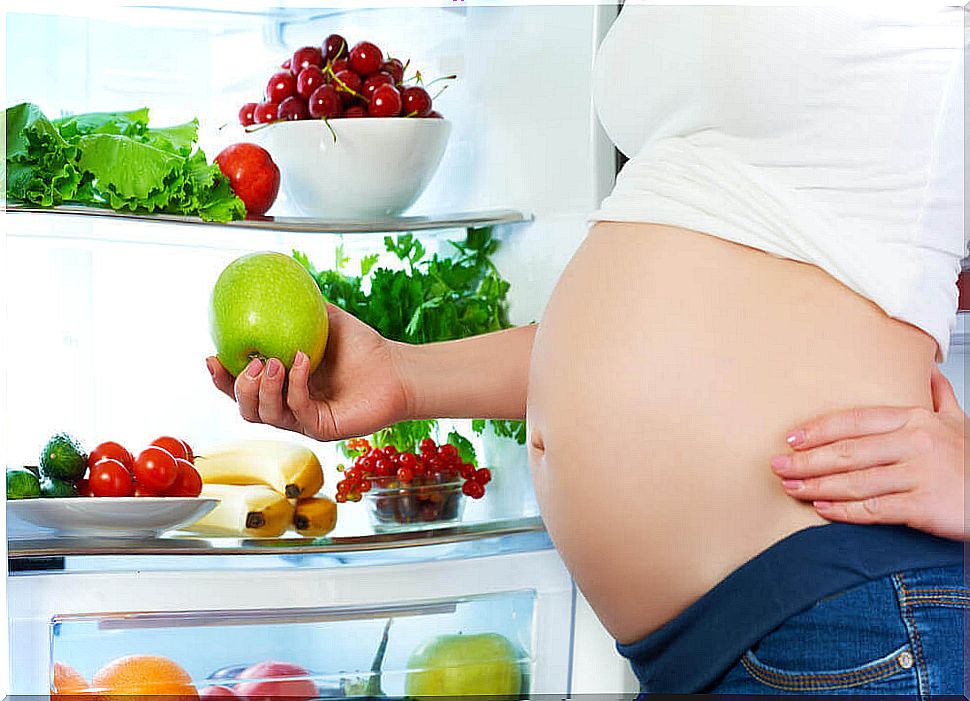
<point>264,488</point>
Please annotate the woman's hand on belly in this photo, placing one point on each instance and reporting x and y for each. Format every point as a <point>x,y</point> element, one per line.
<point>884,465</point>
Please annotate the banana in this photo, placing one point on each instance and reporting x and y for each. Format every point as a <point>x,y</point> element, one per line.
<point>254,511</point>
<point>291,469</point>
<point>315,517</point>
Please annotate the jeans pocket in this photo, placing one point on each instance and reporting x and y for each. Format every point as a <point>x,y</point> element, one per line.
<point>891,674</point>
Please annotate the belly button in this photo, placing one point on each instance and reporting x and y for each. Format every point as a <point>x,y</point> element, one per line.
<point>536,442</point>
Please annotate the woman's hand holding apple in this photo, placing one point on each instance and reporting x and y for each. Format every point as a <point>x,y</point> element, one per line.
<point>357,389</point>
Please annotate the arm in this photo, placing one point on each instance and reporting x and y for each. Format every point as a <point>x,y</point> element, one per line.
<point>480,377</point>
<point>366,382</point>
<point>884,465</point>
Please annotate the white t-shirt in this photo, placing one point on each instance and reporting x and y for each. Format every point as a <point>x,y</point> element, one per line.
<point>825,135</point>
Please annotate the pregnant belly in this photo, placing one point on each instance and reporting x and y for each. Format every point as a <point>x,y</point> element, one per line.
<point>666,370</point>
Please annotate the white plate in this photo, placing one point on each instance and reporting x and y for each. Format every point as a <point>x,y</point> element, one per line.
<point>111,517</point>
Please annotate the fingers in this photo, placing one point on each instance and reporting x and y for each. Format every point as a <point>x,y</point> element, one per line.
<point>853,486</point>
<point>220,376</point>
<point>848,424</point>
<point>887,508</point>
<point>270,406</point>
<point>298,395</point>
<point>944,399</point>
<point>847,454</point>
<point>247,390</point>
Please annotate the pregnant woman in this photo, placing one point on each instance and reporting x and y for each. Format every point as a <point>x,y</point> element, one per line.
<point>783,244</point>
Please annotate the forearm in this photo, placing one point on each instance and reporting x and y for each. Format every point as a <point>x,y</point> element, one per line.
<point>480,377</point>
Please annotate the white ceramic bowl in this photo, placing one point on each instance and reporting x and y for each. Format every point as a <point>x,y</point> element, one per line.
<point>376,167</point>
<point>112,517</point>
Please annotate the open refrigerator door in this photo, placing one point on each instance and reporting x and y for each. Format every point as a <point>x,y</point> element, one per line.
<point>117,302</point>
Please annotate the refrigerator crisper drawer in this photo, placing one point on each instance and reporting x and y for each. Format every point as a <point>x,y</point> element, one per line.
<point>323,652</point>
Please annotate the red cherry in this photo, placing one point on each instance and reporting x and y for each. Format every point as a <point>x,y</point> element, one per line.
<point>395,68</point>
<point>366,58</point>
<point>309,79</point>
<point>417,101</point>
<point>341,64</point>
<point>265,112</point>
<point>355,111</point>
<point>386,102</point>
<point>280,86</point>
<point>292,109</point>
<point>246,116</point>
<point>435,115</point>
<point>334,47</point>
<point>285,64</point>
<point>375,81</point>
<point>304,57</point>
<point>325,103</point>
<point>348,85</point>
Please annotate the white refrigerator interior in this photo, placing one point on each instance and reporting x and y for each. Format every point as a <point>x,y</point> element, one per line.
<point>119,308</point>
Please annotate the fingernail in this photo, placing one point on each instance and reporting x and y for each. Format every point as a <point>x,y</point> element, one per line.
<point>821,504</point>
<point>795,438</point>
<point>792,485</point>
<point>780,462</point>
<point>273,367</point>
<point>208,365</point>
<point>254,368</point>
<point>300,359</point>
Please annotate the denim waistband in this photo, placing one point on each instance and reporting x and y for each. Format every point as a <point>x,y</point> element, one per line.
<point>689,653</point>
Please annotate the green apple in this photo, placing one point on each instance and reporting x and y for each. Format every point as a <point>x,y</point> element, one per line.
<point>460,665</point>
<point>266,305</point>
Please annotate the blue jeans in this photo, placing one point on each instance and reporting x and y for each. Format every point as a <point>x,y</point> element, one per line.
<point>899,635</point>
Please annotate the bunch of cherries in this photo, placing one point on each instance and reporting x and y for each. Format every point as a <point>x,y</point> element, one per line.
<point>333,81</point>
<point>388,468</point>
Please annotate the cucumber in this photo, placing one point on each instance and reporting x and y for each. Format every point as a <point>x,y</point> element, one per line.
<point>22,484</point>
<point>56,488</point>
<point>63,459</point>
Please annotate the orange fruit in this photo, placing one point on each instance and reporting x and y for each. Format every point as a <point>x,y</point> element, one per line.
<point>145,676</point>
<point>67,681</point>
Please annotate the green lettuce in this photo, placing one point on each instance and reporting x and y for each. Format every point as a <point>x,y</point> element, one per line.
<point>114,159</point>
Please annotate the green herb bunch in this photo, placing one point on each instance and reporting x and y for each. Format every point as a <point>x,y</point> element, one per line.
<point>430,299</point>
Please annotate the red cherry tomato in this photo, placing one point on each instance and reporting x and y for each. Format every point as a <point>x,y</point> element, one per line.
<point>109,478</point>
<point>188,483</point>
<point>156,469</point>
<point>176,446</point>
<point>84,488</point>
<point>110,449</point>
<point>252,175</point>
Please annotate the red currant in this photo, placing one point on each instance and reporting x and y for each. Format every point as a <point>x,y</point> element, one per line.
<point>467,471</point>
<point>354,473</point>
<point>334,47</point>
<point>280,86</point>
<point>483,476</point>
<point>473,489</point>
<point>366,58</point>
<point>390,450</point>
<point>405,474</point>
<point>408,460</point>
<point>383,464</point>
<point>417,101</point>
<point>341,498</point>
<point>365,485</point>
<point>246,117</point>
<point>447,452</point>
<point>427,444</point>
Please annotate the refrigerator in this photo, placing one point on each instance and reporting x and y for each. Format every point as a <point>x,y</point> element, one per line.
<point>107,331</point>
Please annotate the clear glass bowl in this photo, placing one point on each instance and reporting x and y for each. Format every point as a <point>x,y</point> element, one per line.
<point>405,507</point>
